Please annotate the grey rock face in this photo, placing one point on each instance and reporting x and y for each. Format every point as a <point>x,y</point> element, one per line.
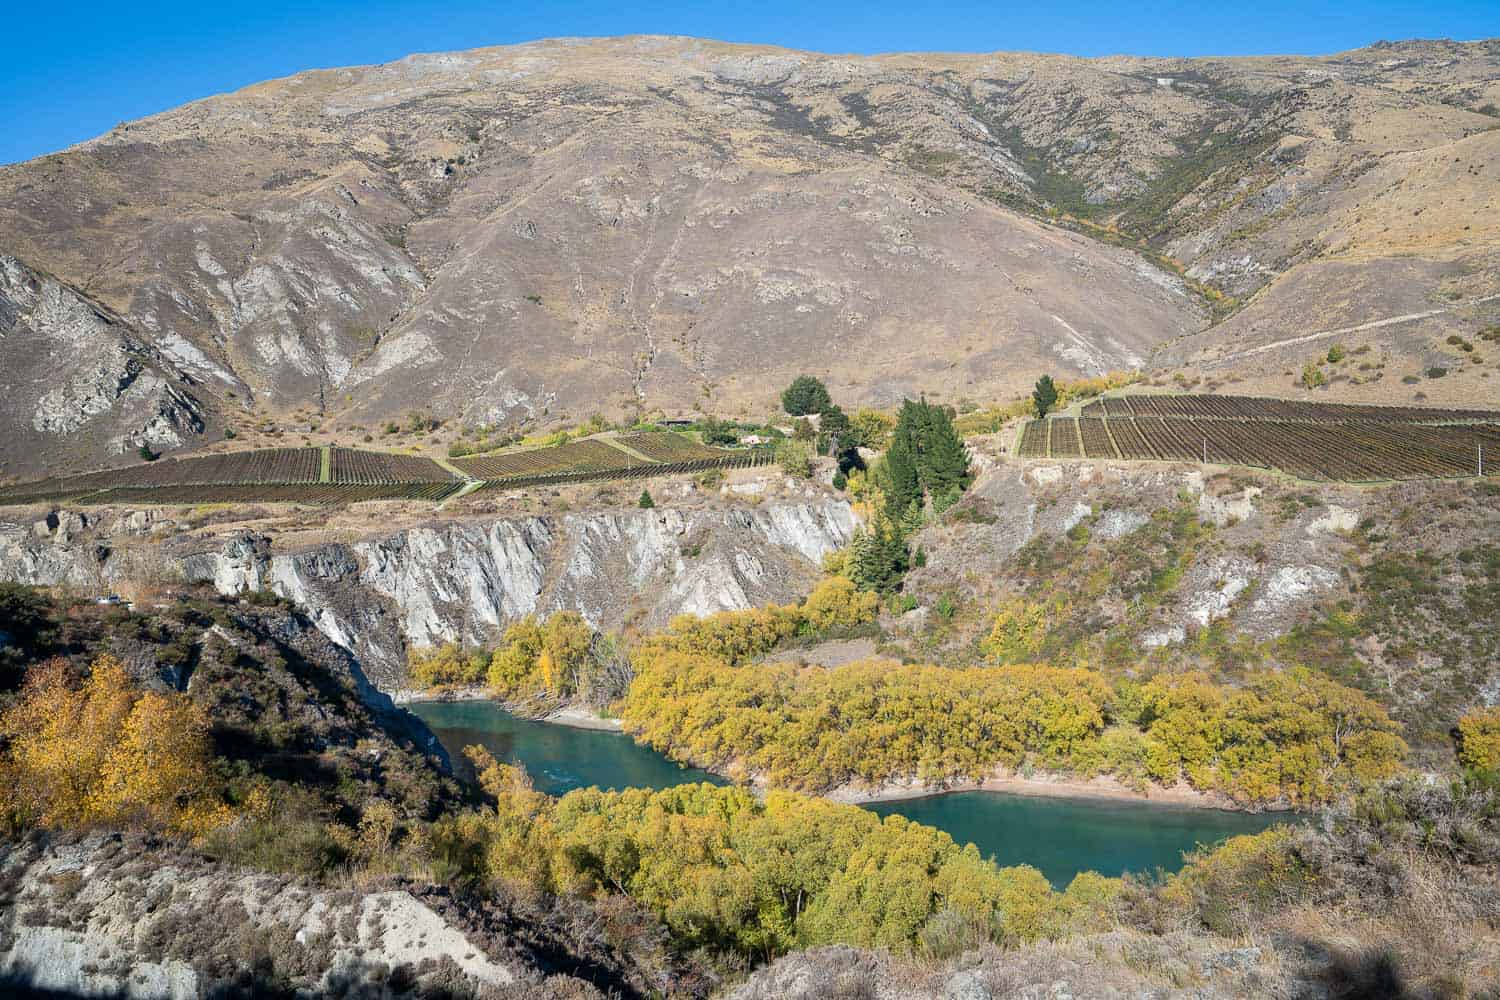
<point>466,581</point>
<point>97,924</point>
<point>1259,597</point>
<point>965,986</point>
<point>71,375</point>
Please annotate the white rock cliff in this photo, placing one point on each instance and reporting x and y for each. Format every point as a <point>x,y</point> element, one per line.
<point>466,580</point>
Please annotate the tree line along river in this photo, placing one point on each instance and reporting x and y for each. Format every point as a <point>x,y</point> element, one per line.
<point>1059,836</point>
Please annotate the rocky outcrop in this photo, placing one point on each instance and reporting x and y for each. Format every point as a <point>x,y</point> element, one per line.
<point>112,915</point>
<point>88,918</point>
<point>73,375</point>
<point>1275,556</point>
<point>1096,967</point>
<point>466,580</point>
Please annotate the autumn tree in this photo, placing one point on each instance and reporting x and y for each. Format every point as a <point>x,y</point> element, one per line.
<point>447,665</point>
<point>728,871</point>
<point>513,666</point>
<point>103,752</point>
<point>837,603</point>
<point>1479,740</point>
<point>565,652</point>
<point>871,429</point>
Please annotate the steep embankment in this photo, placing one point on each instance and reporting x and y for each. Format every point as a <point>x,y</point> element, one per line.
<point>313,879</point>
<point>1135,566</point>
<point>455,580</point>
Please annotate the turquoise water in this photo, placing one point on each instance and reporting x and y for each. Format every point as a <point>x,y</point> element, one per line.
<point>1062,837</point>
<point>558,758</point>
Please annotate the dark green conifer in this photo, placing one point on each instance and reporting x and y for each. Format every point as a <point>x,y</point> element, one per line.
<point>1044,396</point>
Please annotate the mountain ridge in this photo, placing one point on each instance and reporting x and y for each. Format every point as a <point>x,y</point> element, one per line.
<point>523,235</point>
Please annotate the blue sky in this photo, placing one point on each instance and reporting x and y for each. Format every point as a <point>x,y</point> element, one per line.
<point>73,70</point>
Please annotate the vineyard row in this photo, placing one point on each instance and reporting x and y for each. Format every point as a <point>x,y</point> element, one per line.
<point>1215,407</point>
<point>315,494</point>
<point>739,460</point>
<point>1355,451</point>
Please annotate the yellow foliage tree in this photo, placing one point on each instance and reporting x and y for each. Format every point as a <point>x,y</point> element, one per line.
<point>447,665</point>
<point>1479,740</point>
<point>1295,736</point>
<point>873,427</point>
<point>105,753</point>
<point>837,603</point>
<point>565,652</point>
<point>513,667</point>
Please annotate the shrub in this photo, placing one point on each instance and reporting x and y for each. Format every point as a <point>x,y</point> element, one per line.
<point>795,459</point>
<point>900,604</point>
<point>1020,629</point>
<point>1229,887</point>
<point>645,502</point>
<point>1336,353</point>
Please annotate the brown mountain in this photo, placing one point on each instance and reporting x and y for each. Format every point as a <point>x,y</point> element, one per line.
<point>538,232</point>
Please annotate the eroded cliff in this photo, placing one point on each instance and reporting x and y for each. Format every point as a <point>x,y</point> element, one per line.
<point>454,580</point>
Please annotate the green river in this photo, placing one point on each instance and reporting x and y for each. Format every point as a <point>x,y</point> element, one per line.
<point>1060,836</point>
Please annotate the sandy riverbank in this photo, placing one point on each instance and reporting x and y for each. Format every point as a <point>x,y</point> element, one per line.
<point>1040,786</point>
<point>569,715</point>
<point>582,718</point>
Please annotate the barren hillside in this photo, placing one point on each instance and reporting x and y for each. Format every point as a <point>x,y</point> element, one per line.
<point>537,232</point>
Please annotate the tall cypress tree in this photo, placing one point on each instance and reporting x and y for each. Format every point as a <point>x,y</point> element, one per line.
<point>857,563</point>
<point>946,458</point>
<point>1044,396</point>
<point>894,557</point>
<point>926,457</point>
<point>904,483</point>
